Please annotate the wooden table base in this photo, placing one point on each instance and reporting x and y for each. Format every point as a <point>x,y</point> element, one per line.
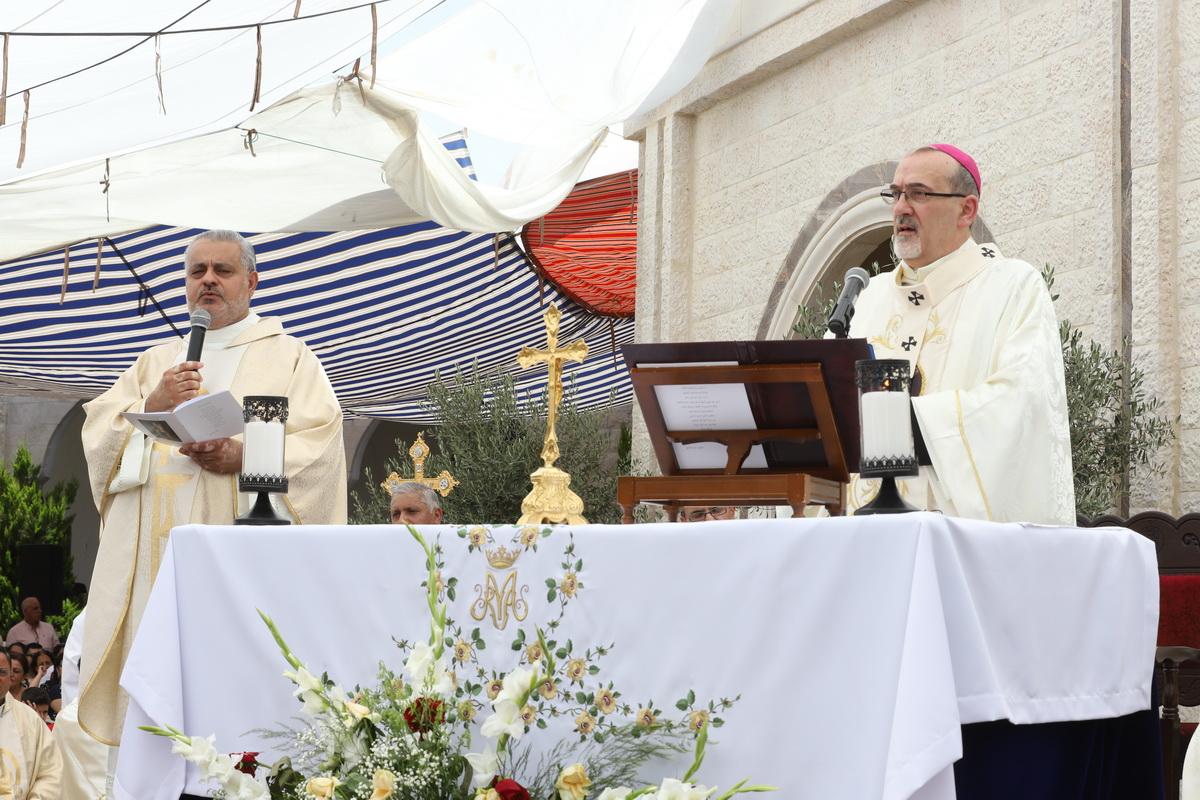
<point>795,489</point>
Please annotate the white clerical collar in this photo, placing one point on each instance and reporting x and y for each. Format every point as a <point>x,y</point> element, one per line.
<point>222,337</point>
<point>909,276</point>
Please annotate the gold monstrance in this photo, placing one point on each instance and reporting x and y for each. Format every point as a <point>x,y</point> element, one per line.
<point>442,483</point>
<point>552,499</point>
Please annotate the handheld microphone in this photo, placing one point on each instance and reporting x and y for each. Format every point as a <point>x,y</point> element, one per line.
<point>201,319</point>
<point>855,281</point>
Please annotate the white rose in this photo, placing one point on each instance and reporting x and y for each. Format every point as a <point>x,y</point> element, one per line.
<point>507,719</point>
<point>484,767</point>
<point>619,793</point>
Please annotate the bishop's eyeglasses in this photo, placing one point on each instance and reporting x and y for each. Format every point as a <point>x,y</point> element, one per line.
<point>915,195</point>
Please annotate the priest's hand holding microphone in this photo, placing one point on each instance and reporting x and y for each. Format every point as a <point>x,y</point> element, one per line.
<point>181,383</point>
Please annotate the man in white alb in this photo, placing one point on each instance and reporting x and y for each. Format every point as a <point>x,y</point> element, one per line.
<point>980,331</point>
<point>143,488</point>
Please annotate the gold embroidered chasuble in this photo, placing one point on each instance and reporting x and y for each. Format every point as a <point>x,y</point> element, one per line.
<point>980,332</point>
<point>30,765</point>
<point>143,489</point>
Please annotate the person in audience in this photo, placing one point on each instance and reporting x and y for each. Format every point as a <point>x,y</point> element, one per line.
<point>18,669</point>
<point>415,504</point>
<point>32,628</point>
<point>979,331</point>
<point>41,666</point>
<point>704,513</point>
<point>244,354</point>
<point>16,647</point>
<point>29,760</point>
<point>52,682</point>
<point>36,698</point>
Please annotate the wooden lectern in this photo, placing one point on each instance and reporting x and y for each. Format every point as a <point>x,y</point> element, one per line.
<point>746,423</point>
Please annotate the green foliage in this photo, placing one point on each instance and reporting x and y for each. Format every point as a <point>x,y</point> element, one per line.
<point>490,438</point>
<point>62,622</point>
<point>30,515</point>
<point>812,321</point>
<point>1116,426</point>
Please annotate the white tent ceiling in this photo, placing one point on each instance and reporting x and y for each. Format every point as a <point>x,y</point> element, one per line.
<point>546,75</point>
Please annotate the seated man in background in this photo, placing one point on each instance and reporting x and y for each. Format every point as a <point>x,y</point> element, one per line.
<point>31,628</point>
<point>703,513</point>
<point>415,504</point>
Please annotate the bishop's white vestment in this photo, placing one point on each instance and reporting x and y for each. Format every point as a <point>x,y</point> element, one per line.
<point>980,332</point>
<point>143,488</point>
<point>30,768</point>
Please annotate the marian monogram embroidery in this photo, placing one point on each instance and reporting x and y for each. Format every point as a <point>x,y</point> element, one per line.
<point>501,596</point>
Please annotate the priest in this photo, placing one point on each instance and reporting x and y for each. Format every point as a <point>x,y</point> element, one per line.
<point>30,766</point>
<point>980,331</point>
<point>143,488</point>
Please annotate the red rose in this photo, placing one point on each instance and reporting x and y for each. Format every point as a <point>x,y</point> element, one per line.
<point>423,713</point>
<point>248,763</point>
<point>508,789</point>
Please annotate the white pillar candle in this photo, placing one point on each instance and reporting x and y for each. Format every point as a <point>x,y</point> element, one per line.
<point>886,425</point>
<point>262,449</point>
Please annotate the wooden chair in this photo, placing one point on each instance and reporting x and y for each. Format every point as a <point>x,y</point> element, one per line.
<point>1177,542</point>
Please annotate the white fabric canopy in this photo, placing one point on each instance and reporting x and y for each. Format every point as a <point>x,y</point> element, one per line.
<point>928,622</point>
<point>322,155</point>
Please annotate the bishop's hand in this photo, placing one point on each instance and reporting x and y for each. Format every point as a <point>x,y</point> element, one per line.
<point>223,456</point>
<point>180,382</point>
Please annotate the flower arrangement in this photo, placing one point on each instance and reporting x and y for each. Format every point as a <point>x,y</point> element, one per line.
<point>409,737</point>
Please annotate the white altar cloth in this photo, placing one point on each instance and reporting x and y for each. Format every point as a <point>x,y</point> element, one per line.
<point>858,645</point>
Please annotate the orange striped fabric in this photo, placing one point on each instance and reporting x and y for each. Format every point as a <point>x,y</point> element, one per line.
<point>587,246</point>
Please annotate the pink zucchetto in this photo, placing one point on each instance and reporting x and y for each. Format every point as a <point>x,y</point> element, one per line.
<point>962,158</point>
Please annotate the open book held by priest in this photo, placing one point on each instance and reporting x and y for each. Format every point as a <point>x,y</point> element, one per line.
<point>201,419</point>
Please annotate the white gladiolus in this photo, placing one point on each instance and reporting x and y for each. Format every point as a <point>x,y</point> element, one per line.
<point>515,685</point>
<point>507,719</point>
<point>619,793</point>
<point>484,767</point>
<point>674,789</point>
<point>199,750</point>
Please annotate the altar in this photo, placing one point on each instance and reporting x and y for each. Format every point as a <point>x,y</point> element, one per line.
<point>858,646</point>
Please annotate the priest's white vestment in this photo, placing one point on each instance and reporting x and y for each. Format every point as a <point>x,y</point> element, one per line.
<point>30,768</point>
<point>144,488</point>
<point>980,332</point>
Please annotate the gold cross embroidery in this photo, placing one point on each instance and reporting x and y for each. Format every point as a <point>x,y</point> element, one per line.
<point>162,503</point>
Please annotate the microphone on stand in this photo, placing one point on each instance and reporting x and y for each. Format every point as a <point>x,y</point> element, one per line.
<point>855,281</point>
<point>201,319</point>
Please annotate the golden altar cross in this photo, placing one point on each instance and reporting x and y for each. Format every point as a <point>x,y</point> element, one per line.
<point>443,483</point>
<point>553,356</point>
<point>552,500</point>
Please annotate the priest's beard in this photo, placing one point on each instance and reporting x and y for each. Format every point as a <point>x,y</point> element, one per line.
<point>907,247</point>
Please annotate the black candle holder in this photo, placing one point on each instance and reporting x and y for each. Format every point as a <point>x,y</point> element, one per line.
<point>270,409</point>
<point>885,375</point>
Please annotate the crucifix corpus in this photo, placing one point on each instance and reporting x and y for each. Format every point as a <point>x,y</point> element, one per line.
<point>443,483</point>
<point>552,500</point>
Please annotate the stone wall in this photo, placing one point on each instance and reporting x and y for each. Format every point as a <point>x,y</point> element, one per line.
<point>738,163</point>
